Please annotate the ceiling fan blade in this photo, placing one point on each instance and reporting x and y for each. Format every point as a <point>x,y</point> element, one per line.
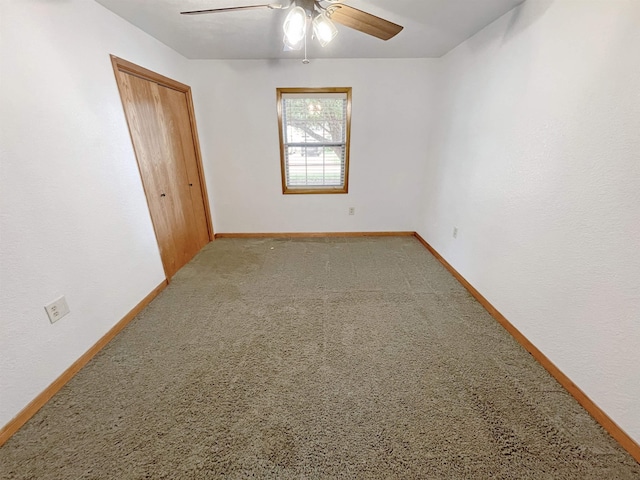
<point>270,6</point>
<point>364,22</point>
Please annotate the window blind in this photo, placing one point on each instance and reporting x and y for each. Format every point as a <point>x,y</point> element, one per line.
<point>314,139</point>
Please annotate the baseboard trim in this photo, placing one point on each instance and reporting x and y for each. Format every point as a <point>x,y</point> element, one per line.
<point>37,403</point>
<point>314,234</point>
<point>596,412</point>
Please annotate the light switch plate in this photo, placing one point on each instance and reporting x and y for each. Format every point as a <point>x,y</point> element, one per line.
<point>57,309</point>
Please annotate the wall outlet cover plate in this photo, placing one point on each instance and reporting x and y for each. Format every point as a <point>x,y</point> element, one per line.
<point>57,309</point>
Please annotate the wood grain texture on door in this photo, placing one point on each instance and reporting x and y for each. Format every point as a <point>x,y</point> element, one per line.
<point>175,106</point>
<point>165,143</point>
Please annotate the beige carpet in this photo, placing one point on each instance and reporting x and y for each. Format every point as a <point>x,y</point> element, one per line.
<point>309,359</point>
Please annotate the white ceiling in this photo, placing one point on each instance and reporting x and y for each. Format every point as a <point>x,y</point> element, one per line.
<point>431,27</point>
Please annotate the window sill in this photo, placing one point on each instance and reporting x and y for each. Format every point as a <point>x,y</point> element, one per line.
<point>311,191</point>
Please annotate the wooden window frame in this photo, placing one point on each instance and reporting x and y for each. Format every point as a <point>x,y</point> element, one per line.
<point>314,190</point>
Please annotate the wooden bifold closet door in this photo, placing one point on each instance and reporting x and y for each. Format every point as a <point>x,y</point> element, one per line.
<point>162,128</point>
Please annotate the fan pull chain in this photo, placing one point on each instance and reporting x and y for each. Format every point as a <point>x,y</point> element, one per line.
<point>305,60</point>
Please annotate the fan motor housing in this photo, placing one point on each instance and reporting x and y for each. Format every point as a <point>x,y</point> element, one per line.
<point>308,5</point>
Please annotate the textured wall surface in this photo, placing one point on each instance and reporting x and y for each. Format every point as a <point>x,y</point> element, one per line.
<point>525,138</point>
<point>535,158</point>
<point>74,217</point>
<point>236,109</point>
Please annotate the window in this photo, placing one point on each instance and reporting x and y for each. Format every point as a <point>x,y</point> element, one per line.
<point>314,128</point>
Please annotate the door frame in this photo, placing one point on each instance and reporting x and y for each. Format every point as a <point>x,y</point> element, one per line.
<point>124,66</point>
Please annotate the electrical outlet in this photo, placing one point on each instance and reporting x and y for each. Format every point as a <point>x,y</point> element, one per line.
<point>455,232</point>
<point>352,210</point>
<point>57,309</point>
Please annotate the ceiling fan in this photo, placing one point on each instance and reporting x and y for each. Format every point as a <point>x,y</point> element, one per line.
<point>321,18</point>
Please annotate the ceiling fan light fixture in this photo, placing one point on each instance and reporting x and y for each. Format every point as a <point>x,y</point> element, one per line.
<point>289,47</point>
<point>295,27</point>
<point>324,29</point>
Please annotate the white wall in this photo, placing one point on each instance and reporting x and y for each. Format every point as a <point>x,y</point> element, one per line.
<point>536,159</point>
<point>533,156</point>
<point>235,104</point>
<point>74,217</point>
